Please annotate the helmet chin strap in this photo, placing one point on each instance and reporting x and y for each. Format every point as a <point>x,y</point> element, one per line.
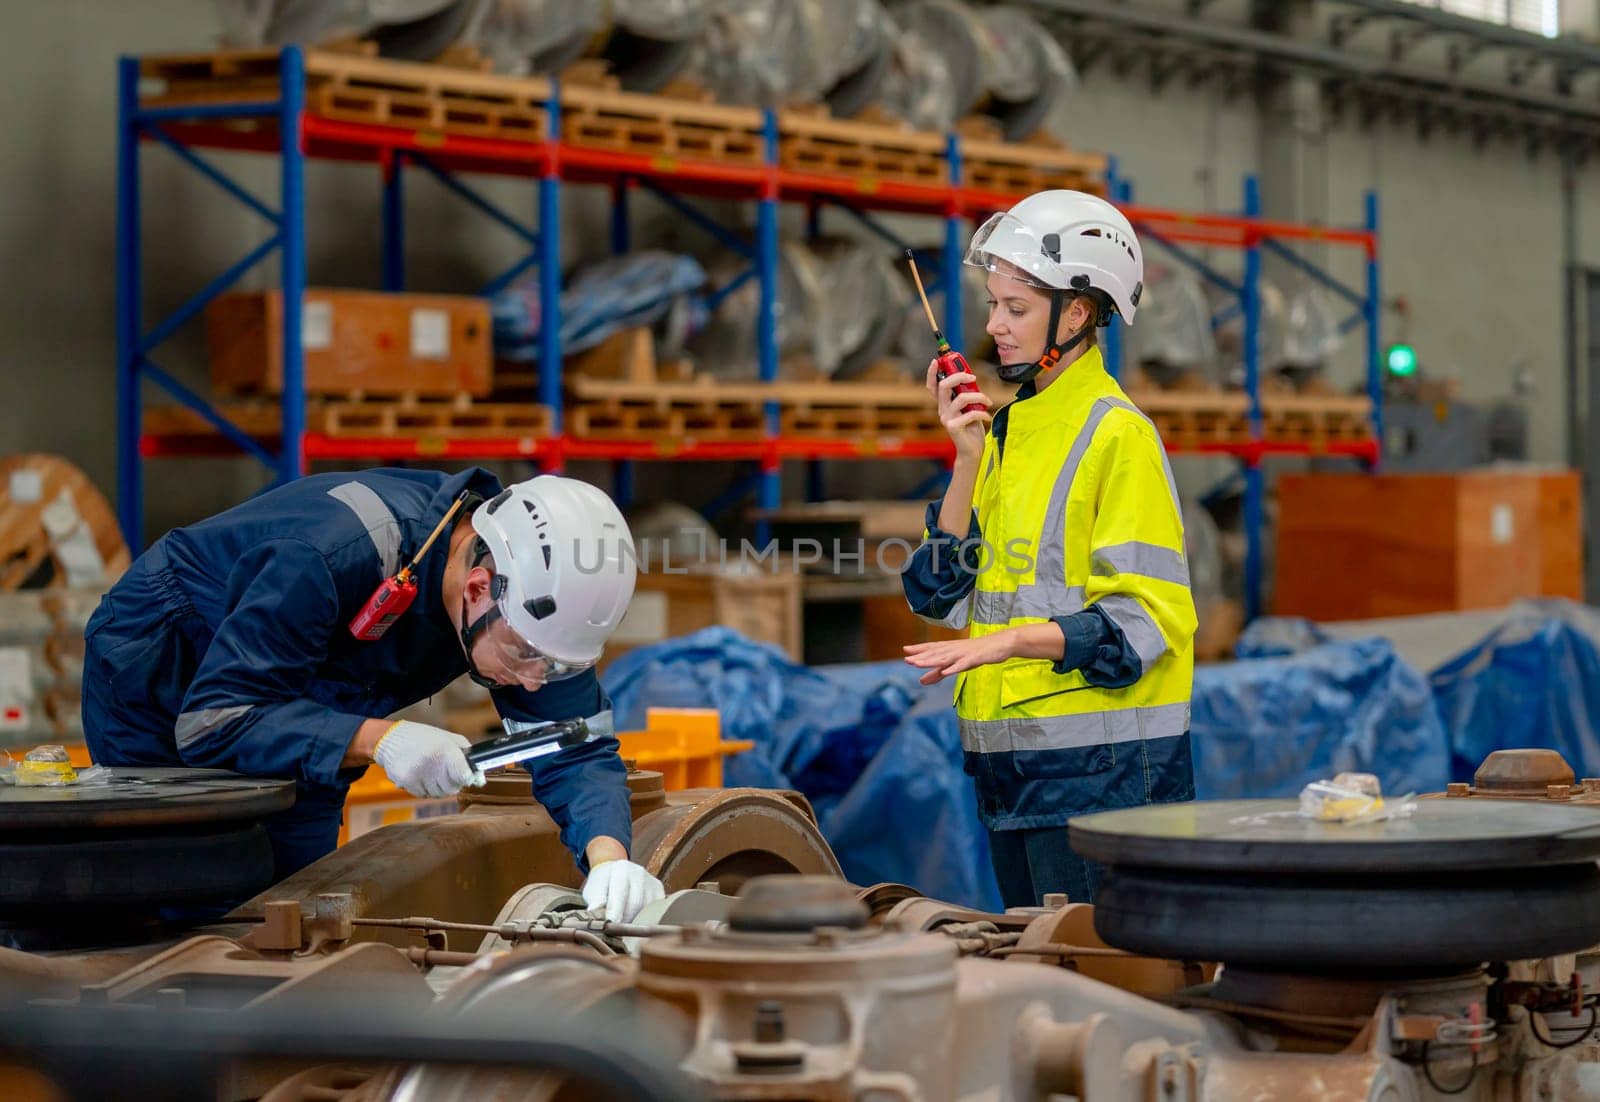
<point>1023,372</point>
<point>470,632</point>
<point>469,635</point>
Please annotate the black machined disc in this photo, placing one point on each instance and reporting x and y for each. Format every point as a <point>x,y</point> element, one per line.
<point>137,871</point>
<point>1266,836</point>
<point>1353,925</point>
<point>138,797</point>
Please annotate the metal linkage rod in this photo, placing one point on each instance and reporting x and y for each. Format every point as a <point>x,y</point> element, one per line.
<point>509,931</point>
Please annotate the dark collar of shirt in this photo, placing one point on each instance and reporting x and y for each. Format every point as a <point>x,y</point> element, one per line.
<point>1002,416</point>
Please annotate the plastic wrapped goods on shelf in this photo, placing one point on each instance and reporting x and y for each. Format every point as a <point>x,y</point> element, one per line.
<point>839,307</point>
<point>416,30</point>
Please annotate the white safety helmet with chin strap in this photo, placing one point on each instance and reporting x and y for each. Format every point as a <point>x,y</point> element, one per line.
<point>564,571</point>
<point>1069,243</point>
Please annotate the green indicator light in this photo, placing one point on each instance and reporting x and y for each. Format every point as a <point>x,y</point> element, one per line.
<point>1402,360</point>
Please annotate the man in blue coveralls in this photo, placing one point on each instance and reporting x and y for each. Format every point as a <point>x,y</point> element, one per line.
<point>229,644</point>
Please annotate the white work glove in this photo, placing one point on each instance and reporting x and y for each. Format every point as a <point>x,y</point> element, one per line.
<point>619,890</point>
<point>426,761</point>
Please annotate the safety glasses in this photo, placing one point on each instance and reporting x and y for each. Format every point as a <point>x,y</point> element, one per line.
<point>524,660</point>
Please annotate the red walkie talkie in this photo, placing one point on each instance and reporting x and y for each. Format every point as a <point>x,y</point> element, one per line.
<point>395,595</point>
<point>949,360</point>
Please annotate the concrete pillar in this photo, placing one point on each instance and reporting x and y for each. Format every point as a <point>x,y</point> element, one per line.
<point>1293,127</point>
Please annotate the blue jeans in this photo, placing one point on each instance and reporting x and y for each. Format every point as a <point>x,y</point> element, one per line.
<point>1032,863</point>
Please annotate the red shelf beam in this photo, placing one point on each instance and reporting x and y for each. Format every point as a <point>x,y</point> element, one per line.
<point>339,139</point>
<point>773,451</point>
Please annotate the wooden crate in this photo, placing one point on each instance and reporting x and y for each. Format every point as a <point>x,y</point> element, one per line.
<point>889,626</point>
<point>812,142</point>
<point>1561,523</point>
<point>762,603</point>
<point>454,419</point>
<point>356,343</point>
<point>1355,546</point>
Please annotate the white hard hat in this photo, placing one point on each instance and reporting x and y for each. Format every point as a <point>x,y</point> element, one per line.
<point>564,571</point>
<point>1065,241</point>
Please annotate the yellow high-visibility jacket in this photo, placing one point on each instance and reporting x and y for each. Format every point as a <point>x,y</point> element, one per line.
<point>1075,510</point>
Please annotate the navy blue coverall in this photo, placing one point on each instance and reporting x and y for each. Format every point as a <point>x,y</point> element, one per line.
<point>227,645</point>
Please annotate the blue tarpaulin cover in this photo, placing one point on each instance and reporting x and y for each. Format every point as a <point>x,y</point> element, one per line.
<point>877,754</point>
<point>1269,726</point>
<point>1532,682</point>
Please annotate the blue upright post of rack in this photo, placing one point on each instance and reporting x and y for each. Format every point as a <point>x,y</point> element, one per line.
<point>1120,191</point>
<point>622,470</point>
<point>621,227</point>
<point>292,453</point>
<point>1254,481</point>
<point>549,248</point>
<point>622,486</point>
<point>130,475</point>
<point>770,493</point>
<point>394,223</point>
<point>1373,309</point>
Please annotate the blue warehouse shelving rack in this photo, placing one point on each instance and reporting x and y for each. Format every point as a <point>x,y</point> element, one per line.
<point>276,103</point>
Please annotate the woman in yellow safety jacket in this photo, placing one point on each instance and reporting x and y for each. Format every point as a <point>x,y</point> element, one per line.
<point>1072,688</point>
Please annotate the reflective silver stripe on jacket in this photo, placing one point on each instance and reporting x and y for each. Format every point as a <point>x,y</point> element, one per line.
<point>1048,595</point>
<point>1074,732</point>
<point>375,517</point>
<point>999,608</point>
<point>957,618</point>
<point>192,725</point>
<point>1138,626</point>
<point>1148,560</point>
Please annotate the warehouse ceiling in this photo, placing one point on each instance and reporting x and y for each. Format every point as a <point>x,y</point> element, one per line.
<point>1377,60</point>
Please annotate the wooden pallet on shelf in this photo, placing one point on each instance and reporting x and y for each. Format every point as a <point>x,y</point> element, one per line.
<point>220,76</point>
<point>1316,419</point>
<point>868,151</point>
<point>1026,167</point>
<point>629,408</point>
<point>661,126</point>
<point>623,410</point>
<point>1188,419</point>
<point>901,411</point>
<point>360,417</point>
<point>460,99</point>
<point>426,97</point>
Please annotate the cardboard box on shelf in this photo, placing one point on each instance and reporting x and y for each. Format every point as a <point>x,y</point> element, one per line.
<point>369,343</point>
<point>762,604</point>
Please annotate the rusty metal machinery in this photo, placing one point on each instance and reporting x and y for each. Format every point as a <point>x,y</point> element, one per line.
<point>463,867</point>
<point>1542,775</point>
<point>805,987</point>
<point>798,993</point>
